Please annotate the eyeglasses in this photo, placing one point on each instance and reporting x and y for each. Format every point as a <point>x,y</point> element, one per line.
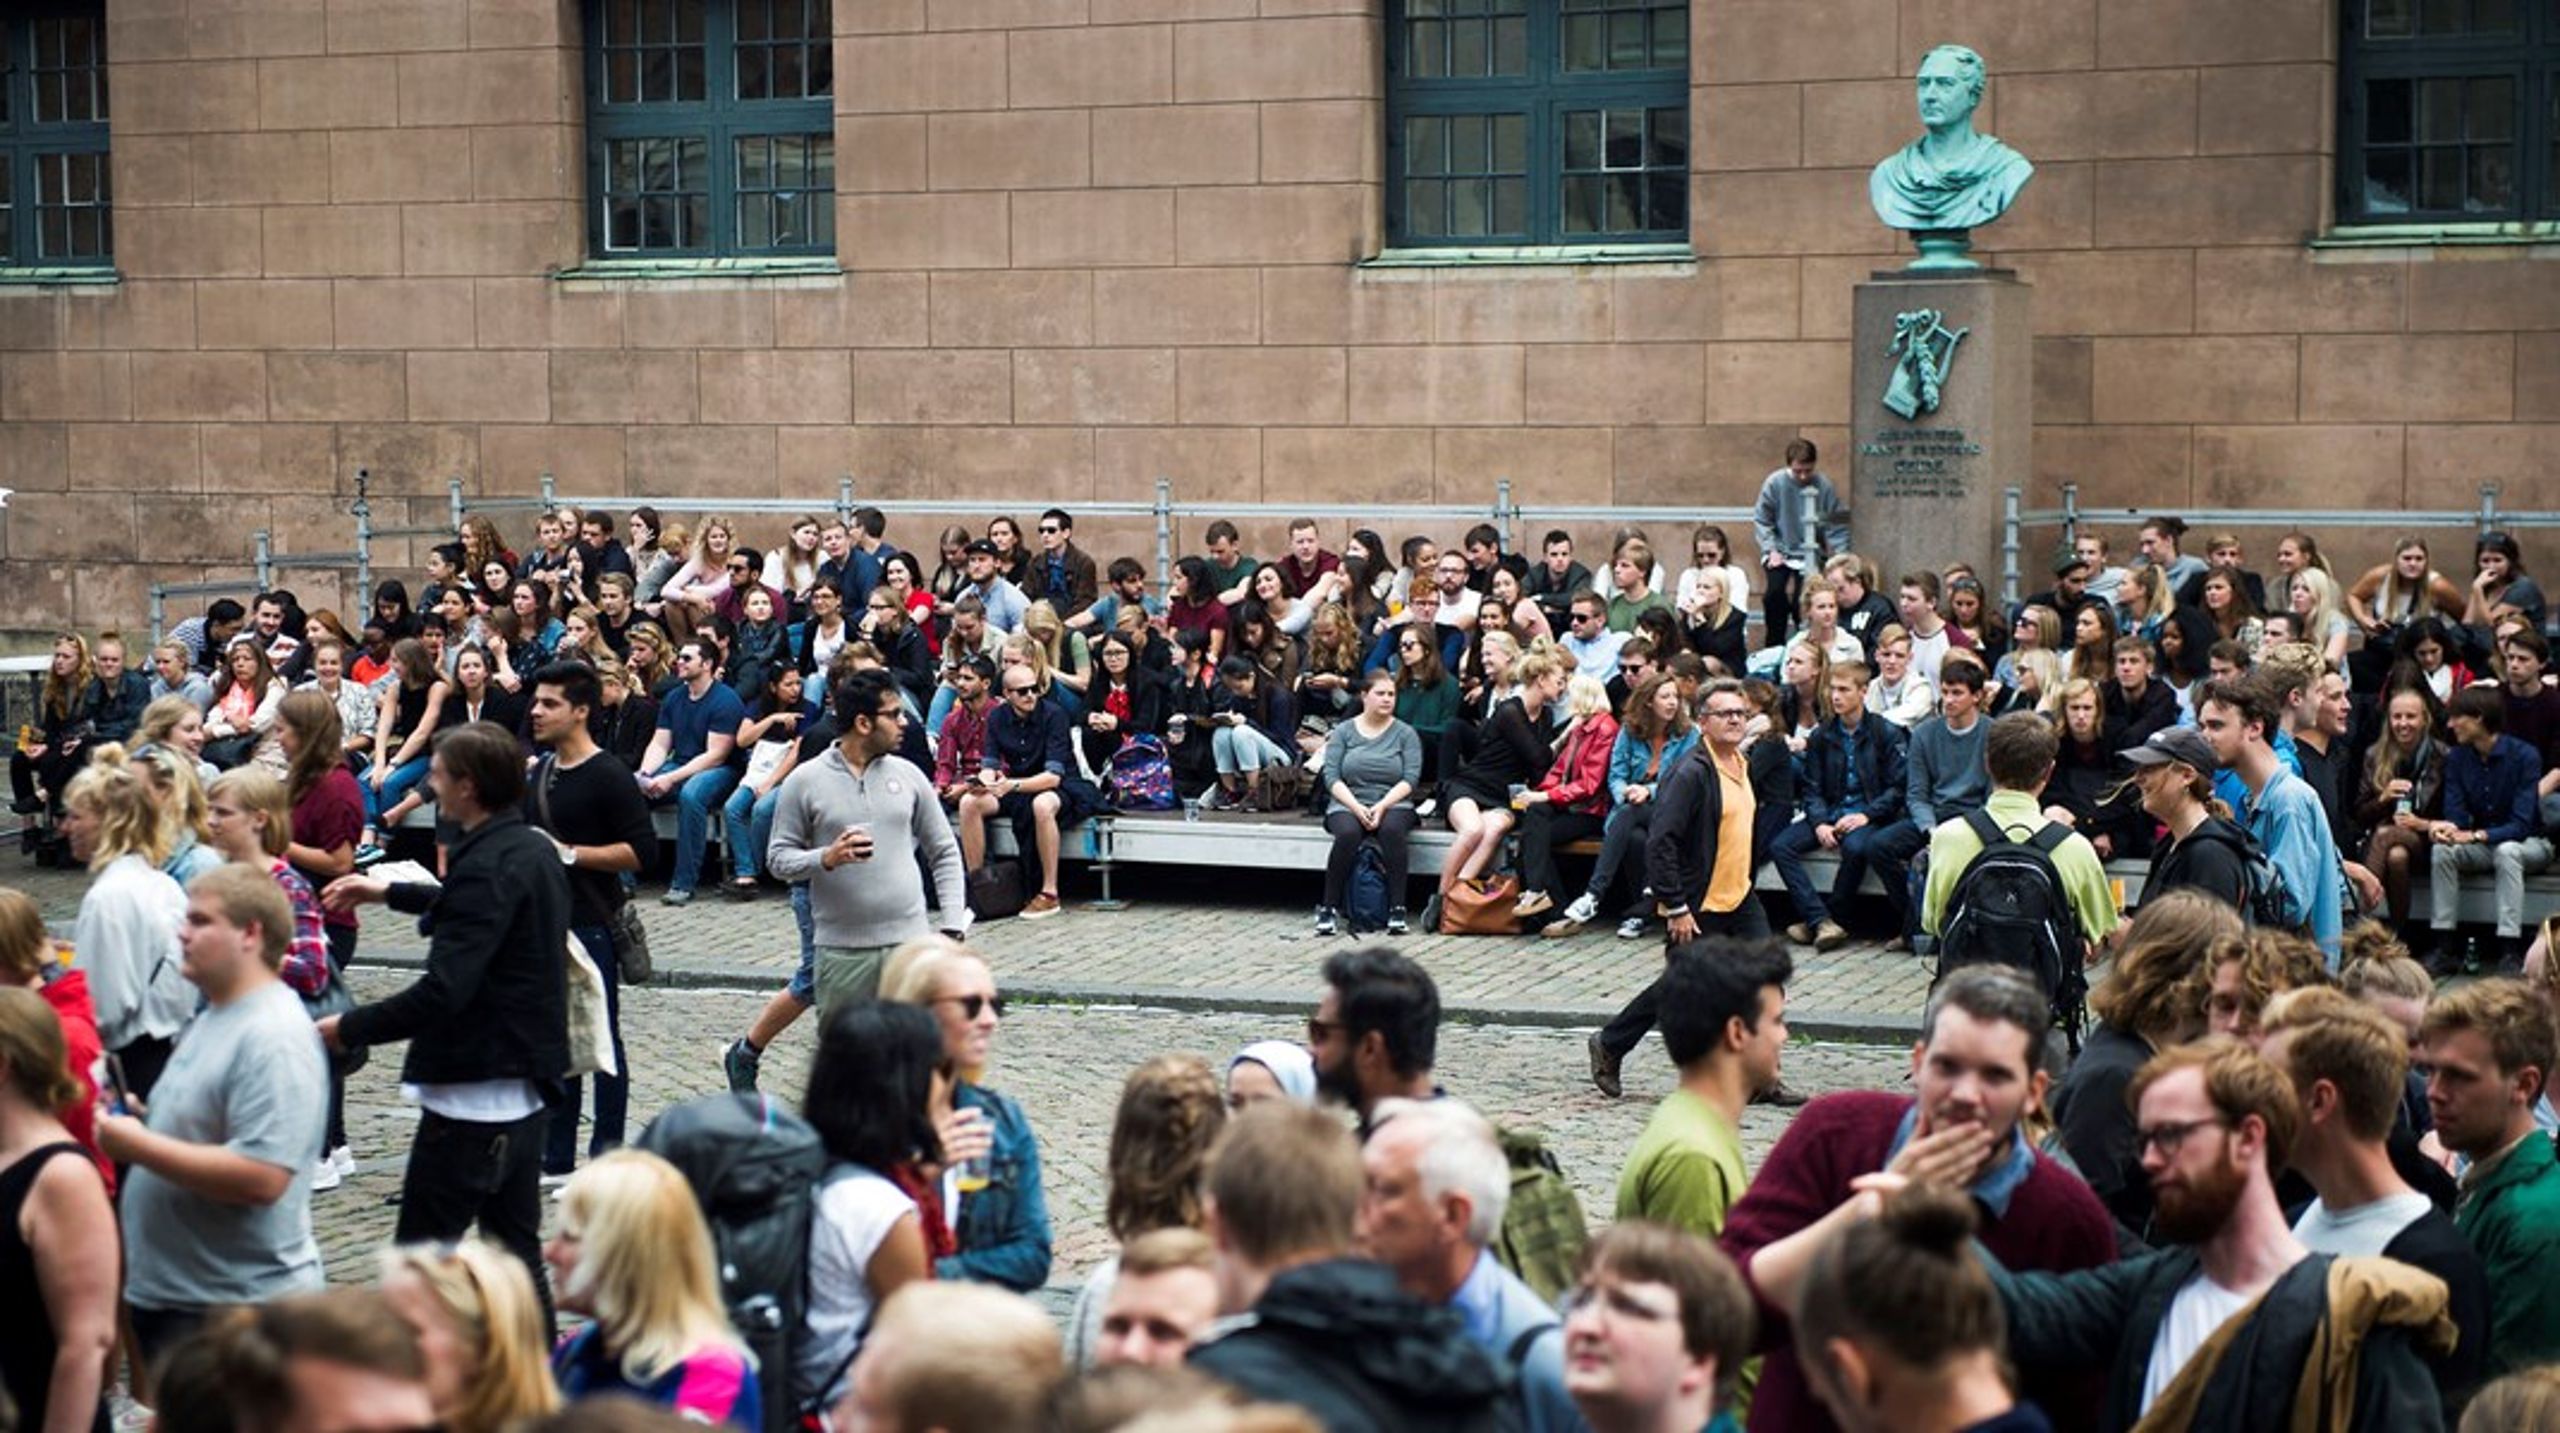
<point>972,1005</point>
<point>1614,1301</point>
<point>737,567</point>
<point>1728,713</point>
<point>1408,646</point>
<point>2167,1138</point>
<point>1319,1031</point>
<point>891,712</point>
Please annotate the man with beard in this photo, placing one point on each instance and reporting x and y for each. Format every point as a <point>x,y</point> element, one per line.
<point>1375,1031</point>
<point>2227,1330</point>
<point>1977,1068</point>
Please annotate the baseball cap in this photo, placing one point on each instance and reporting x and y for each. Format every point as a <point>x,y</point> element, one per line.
<point>2068,565</point>
<point>981,545</point>
<point>2177,743</point>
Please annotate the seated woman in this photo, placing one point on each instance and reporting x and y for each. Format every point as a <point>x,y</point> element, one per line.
<point>1190,696</point>
<point>474,697</point>
<point>2086,791</point>
<point>1251,731</point>
<point>1329,684</point>
<point>1571,802</point>
<point>1002,1233</point>
<point>879,1222</point>
<point>1257,636</point>
<point>888,625</point>
<point>1191,605</point>
<point>633,1254</point>
<point>1712,623</point>
<point>1290,614</point>
<point>770,736</point>
<point>1653,736</point>
<point>1125,700</point>
<point>1069,661</point>
<point>1512,753</point>
<point>411,712</point>
<point>1969,612</point>
<point>1372,767</point>
<point>240,725</point>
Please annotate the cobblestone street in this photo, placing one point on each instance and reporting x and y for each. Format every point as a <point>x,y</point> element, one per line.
<point>1065,1063</point>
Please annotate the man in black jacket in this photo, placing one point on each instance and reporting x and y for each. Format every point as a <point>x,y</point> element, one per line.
<point>1697,861</point>
<point>487,1024</point>
<point>1852,789</point>
<point>2349,1064</point>
<point>2137,703</point>
<point>1308,1322</point>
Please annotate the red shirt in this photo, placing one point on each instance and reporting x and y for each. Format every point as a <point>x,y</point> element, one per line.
<point>68,994</point>
<point>329,815</point>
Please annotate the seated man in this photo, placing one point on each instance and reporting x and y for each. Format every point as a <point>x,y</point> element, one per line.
<point>1851,789</point>
<point>2492,821</point>
<point>960,746</point>
<point>1552,583</point>
<point>1062,574</point>
<point>1128,579</point>
<point>688,760</point>
<point>1422,613</point>
<point>1978,1067</point>
<point>1947,778</point>
<point>2137,703</point>
<point>971,635</point>
<point>1586,635</point>
<point>1001,601</point>
<point>1028,775</point>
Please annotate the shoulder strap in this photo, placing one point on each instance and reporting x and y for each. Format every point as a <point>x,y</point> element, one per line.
<point>2050,838</point>
<point>542,789</point>
<point>1518,1353</point>
<point>1983,826</point>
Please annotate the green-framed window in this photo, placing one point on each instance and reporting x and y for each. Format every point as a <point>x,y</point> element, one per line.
<point>2449,111</point>
<point>710,128</point>
<point>57,207</point>
<point>1514,122</point>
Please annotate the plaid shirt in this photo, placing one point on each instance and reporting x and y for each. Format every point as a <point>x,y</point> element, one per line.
<point>306,961</point>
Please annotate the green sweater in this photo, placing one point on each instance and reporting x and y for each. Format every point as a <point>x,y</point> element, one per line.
<point>1428,709</point>
<point>2512,1218</point>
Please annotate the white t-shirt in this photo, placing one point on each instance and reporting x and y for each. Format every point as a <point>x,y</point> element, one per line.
<point>1927,653</point>
<point>855,1213</point>
<point>2201,1307</point>
<point>1460,611</point>
<point>2363,1230</point>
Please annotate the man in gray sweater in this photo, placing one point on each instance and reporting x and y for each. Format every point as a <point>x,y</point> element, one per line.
<point>850,824</point>
<point>1945,778</point>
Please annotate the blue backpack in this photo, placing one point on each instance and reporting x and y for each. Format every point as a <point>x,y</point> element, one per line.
<point>1367,895</point>
<point>1140,778</point>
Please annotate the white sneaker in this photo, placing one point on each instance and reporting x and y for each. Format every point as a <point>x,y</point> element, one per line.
<point>345,1159</point>
<point>325,1175</point>
<point>1584,909</point>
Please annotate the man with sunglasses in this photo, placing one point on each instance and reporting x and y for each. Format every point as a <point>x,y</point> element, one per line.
<point>1063,574</point>
<point>1027,775</point>
<point>847,824</point>
<point>1587,636</point>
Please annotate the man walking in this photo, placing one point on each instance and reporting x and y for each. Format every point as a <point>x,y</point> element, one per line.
<point>487,1024</point>
<point>585,800</point>
<point>2277,807</point>
<point>217,1200</point>
<point>1724,1021</point>
<point>1697,861</point>
<point>850,824</point>
<point>2489,1049</point>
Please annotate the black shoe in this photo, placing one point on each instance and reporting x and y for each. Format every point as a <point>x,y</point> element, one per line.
<point>27,805</point>
<point>1396,923</point>
<point>1780,1095</point>
<point>739,1063</point>
<point>2444,959</point>
<point>2511,950</point>
<point>1604,1067</point>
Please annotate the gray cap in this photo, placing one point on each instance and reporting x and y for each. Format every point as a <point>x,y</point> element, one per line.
<point>2177,743</point>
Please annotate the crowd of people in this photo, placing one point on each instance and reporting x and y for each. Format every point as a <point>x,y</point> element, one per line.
<point>2280,1168</point>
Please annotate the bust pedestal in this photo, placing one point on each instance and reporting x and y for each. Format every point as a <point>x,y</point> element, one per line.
<point>1926,479</point>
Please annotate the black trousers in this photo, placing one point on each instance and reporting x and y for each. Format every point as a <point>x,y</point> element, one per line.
<point>1627,1027</point>
<point>1778,602</point>
<point>1543,828</point>
<point>1394,837</point>
<point>463,1172</point>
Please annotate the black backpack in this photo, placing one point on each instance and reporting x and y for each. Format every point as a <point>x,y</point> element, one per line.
<point>1366,893</point>
<point>2270,901</point>
<point>755,1168</point>
<point>2010,908</point>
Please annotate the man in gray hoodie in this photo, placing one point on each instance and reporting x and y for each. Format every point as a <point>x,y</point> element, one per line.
<point>849,824</point>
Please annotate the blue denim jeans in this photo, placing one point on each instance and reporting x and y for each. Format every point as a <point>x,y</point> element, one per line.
<point>1856,851</point>
<point>1239,749</point>
<point>403,779</point>
<point>700,795</point>
<point>944,698</point>
<point>748,820</point>
<point>613,1092</point>
<point>804,976</point>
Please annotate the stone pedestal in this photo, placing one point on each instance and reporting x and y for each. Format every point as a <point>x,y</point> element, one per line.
<point>1926,482</point>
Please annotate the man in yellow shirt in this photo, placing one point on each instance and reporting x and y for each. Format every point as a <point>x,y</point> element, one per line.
<point>2020,753</point>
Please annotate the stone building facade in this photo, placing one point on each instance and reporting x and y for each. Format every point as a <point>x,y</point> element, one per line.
<point>1087,243</point>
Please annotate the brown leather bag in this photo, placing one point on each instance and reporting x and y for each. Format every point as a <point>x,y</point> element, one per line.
<point>1484,906</point>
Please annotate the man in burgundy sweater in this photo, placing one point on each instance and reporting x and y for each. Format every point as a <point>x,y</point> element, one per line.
<point>1977,1067</point>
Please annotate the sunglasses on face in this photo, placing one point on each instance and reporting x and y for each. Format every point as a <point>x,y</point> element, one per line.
<point>1050,530</point>
<point>971,1006</point>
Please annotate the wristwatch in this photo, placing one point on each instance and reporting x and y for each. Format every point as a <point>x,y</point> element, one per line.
<point>568,853</point>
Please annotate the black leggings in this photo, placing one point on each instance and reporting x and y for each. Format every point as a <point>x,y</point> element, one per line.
<point>1543,827</point>
<point>1395,827</point>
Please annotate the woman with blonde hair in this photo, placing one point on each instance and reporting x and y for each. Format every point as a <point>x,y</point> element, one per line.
<point>1571,802</point>
<point>650,657</point>
<point>40,769</point>
<point>1069,663</point>
<point>1713,621</point>
<point>177,789</point>
<point>1513,751</point>
<point>2313,598</point>
<point>1804,691</point>
<point>58,1246</point>
<point>2145,1005</point>
<point>1003,1229</point>
<point>482,546</point>
<point>1170,1113</point>
<point>479,1326</point>
<point>632,1253</point>
<point>705,574</point>
<point>173,722</point>
<point>126,936</point>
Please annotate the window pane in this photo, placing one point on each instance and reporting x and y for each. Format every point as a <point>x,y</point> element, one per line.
<point>1467,150</point>
<point>2489,110</point>
<point>690,83</point>
<point>2440,178</point>
<point>1426,58</point>
<point>1582,140</point>
<point>1423,149</point>
<point>1425,200</point>
<point>1626,202</point>
<point>1670,38</point>
<point>2492,181</point>
<point>1626,139</point>
<point>2493,17</point>
<point>2440,17</point>
<point>1582,204</point>
<point>1511,46</point>
<point>755,19</point>
<point>1627,40</point>
<point>1510,206</point>
<point>1470,205</point>
<point>1469,48</point>
<point>1670,132</point>
<point>1510,144</point>
<point>1668,205</point>
<point>2386,181</point>
<point>1586,41</point>
<point>752,84</point>
<point>2387,108</point>
<point>2439,110</point>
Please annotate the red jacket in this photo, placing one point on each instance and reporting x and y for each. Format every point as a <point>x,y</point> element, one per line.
<point>68,994</point>
<point>1579,779</point>
<point>2053,1223</point>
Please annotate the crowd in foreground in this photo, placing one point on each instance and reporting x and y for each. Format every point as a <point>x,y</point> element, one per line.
<point>2229,1200</point>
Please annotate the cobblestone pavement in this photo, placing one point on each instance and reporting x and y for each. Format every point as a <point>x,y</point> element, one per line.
<point>1065,1063</point>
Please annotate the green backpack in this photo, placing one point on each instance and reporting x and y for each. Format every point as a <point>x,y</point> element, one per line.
<point>1543,1232</point>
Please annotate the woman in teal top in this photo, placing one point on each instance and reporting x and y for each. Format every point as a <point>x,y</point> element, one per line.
<point>1426,695</point>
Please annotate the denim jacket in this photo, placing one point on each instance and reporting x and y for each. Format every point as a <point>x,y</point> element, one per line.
<point>1004,1228</point>
<point>1628,759</point>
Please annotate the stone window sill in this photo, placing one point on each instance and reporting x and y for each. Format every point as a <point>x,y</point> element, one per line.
<point>2399,240</point>
<point>1550,256</point>
<point>815,271</point>
<point>61,278</point>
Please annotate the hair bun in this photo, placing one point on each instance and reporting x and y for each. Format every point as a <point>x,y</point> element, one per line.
<point>1939,1221</point>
